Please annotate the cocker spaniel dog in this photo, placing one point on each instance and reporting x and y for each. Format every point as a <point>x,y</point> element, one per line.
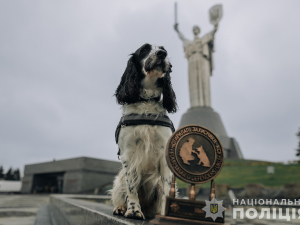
<point>145,90</point>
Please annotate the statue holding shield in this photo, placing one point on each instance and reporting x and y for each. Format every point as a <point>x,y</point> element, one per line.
<point>199,53</point>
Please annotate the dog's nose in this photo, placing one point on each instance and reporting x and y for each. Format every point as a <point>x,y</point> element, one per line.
<point>161,54</point>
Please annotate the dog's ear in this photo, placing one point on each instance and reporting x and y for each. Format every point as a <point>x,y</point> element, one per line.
<point>129,88</point>
<point>169,97</point>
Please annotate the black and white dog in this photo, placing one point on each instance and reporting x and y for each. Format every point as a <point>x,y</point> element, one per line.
<point>144,181</point>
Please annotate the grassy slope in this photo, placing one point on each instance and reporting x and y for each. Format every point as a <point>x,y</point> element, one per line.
<point>238,173</point>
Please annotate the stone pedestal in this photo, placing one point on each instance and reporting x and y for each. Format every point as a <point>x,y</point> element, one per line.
<point>207,117</point>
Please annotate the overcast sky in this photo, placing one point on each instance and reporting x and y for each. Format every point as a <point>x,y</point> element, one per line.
<point>61,61</point>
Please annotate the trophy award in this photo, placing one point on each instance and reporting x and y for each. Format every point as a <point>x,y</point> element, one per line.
<point>195,155</point>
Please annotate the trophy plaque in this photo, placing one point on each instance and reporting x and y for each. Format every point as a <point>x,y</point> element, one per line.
<point>195,155</point>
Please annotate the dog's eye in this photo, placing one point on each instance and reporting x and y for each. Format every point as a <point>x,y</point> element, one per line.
<point>145,50</point>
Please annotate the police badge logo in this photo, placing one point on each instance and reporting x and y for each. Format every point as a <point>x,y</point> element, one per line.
<point>214,209</point>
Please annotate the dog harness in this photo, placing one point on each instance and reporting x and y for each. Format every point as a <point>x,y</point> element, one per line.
<point>137,119</point>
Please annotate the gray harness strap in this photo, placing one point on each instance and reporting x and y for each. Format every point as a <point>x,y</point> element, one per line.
<point>136,119</point>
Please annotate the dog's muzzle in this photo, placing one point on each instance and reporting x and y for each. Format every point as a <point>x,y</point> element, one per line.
<point>157,60</point>
<point>161,54</point>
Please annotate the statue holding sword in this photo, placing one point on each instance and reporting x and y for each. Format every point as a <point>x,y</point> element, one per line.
<point>199,53</point>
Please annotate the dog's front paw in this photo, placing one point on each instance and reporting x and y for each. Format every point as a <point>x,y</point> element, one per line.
<point>120,210</point>
<point>134,214</point>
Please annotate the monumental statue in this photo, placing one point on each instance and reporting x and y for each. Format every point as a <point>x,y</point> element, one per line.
<point>199,53</point>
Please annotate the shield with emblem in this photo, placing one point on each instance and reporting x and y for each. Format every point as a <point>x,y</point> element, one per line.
<point>214,208</point>
<point>215,14</point>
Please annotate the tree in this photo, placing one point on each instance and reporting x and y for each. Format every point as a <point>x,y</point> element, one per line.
<point>9,175</point>
<point>1,173</point>
<point>17,174</point>
<point>298,149</point>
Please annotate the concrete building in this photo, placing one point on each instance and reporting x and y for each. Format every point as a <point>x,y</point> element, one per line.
<point>77,175</point>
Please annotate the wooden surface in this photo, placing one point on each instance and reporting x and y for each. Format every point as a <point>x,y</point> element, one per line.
<point>187,209</point>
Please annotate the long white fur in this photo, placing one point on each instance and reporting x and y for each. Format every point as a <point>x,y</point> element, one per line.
<point>143,160</point>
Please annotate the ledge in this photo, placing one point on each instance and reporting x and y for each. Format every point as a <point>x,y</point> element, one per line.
<point>88,210</point>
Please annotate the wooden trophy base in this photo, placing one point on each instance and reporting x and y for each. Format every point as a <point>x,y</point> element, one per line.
<point>187,212</point>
